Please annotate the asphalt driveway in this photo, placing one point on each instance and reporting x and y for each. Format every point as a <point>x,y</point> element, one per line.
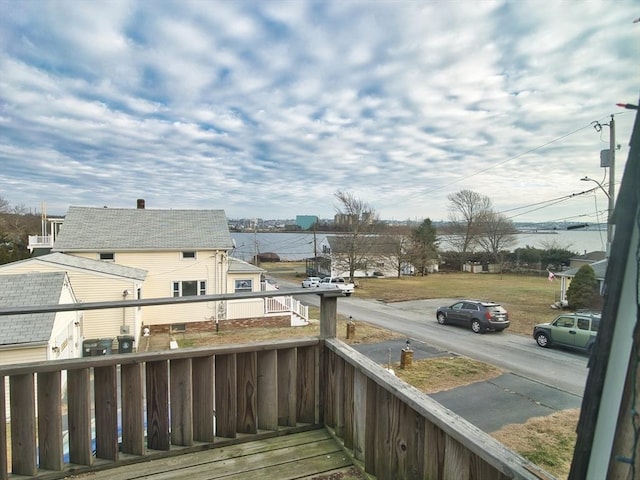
<point>489,405</point>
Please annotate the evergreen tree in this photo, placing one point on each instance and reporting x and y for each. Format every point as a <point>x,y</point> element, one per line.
<point>583,290</point>
<point>424,246</point>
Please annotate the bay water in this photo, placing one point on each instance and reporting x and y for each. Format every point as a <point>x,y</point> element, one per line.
<point>301,245</point>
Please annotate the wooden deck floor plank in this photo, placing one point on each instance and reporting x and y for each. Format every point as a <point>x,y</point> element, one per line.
<point>250,464</point>
<point>239,459</point>
<point>348,472</point>
<point>297,469</point>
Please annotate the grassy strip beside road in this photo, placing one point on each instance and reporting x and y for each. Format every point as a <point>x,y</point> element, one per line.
<point>434,375</point>
<point>545,441</point>
<point>526,298</point>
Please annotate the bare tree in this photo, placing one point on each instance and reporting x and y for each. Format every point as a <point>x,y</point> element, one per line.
<point>466,211</point>
<point>397,247</point>
<point>498,235</point>
<point>4,205</point>
<point>359,221</point>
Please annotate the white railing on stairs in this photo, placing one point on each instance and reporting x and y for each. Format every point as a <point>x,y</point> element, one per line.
<point>290,305</point>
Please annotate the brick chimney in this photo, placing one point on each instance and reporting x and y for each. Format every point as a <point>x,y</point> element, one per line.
<point>141,203</point>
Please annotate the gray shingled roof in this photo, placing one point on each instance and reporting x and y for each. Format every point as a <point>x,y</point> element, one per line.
<point>63,260</point>
<point>240,266</point>
<point>372,245</point>
<point>119,229</point>
<point>29,289</point>
<point>594,256</point>
<point>599,268</point>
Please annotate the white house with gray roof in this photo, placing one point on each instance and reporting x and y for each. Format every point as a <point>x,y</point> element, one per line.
<point>38,336</point>
<point>93,281</point>
<point>183,252</point>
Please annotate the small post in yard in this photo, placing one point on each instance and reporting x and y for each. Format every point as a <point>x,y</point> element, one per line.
<point>406,356</point>
<point>351,328</point>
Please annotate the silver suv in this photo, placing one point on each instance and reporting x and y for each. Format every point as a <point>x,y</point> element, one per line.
<point>576,330</point>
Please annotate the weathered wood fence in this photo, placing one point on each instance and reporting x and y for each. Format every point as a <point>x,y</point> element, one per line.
<point>127,408</point>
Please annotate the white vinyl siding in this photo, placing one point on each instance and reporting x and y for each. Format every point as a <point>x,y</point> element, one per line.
<point>165,268</point>
<point>93,287</point>
<point>251,308</point>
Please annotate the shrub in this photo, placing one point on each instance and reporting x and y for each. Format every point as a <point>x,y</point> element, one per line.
<point>583,290</point>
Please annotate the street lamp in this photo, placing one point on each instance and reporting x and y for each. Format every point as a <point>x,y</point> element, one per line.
<point>609,212</point>
<point>589,179</point>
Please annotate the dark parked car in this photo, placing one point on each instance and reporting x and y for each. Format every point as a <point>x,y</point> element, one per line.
<point>575,330</point>
<point>478,315</point>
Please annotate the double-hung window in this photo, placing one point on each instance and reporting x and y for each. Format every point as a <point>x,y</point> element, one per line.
<point>188,288</point>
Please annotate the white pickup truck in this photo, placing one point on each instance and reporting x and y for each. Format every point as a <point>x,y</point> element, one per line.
<point>337,283</point>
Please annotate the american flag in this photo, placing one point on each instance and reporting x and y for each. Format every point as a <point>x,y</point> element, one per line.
<point>551,275</point>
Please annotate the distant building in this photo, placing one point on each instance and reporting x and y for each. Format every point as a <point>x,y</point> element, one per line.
<point>305,222</point>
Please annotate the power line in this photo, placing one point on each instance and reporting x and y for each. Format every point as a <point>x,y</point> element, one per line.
<point>508,159</point>
<point>546,203</point>
<point>589,125</point>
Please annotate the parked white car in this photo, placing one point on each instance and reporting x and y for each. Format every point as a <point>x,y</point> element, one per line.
<point>311,282</point>
<point>337,283</point>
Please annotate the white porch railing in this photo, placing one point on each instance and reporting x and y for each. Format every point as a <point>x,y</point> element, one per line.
<point>299,312</point>
<point>40,241</point>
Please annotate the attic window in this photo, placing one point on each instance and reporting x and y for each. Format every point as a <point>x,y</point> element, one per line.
<point>244,285</point>
<point>107,256</point>
<point>188,255</point>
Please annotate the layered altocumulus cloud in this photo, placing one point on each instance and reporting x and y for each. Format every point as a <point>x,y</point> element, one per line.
<point>267,108</point>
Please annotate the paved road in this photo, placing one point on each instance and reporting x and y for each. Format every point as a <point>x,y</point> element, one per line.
<point>562,369</point>
<point>491,404</point>
<point>537,382</point>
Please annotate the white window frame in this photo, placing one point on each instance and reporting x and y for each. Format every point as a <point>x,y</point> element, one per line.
<point>237,285</point>
<point>177,287</point>
<point>188,255</point>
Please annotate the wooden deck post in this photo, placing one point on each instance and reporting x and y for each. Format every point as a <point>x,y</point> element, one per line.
<point>328,315</point>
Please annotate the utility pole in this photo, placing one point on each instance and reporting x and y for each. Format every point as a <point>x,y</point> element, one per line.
<point>612,182</point>
<point>608,159</point>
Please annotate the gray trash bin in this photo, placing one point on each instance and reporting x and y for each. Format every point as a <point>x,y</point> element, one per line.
<point>104,346</point>
<point>89,347</point>
<point>125,344</point>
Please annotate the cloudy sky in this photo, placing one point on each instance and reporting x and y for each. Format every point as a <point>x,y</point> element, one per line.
<point>267,108</point>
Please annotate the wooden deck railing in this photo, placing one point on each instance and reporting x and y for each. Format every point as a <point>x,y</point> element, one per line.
<point>128,408</point>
